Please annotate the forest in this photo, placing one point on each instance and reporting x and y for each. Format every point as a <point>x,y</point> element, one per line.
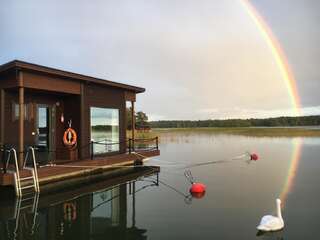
<point>252,122</point>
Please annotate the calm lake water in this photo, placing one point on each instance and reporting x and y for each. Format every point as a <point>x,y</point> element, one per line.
<point>238,195</point>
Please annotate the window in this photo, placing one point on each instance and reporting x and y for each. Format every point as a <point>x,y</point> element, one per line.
<point>16,113</point>
<point>104,129</point>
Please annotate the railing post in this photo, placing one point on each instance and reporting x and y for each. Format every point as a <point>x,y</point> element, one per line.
<point>157,142</point>
<point>129,145</point>
<point>4,155</point>
<point>157,179</point>
<point>91,150</point>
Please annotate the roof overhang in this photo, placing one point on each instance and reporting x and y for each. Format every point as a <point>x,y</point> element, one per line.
<point>25,66</point>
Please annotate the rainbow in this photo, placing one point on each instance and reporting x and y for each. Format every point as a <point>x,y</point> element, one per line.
<point>277,53</point>
<point>293,167</point>
<point>290,82</point>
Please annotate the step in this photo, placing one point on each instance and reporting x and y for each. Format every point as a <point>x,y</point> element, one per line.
<point>26,193</point>
<point>26,178</point>
<point>26,187</point>
<point>26,183</point>
<point>26,207</point>
<point>26,199</point>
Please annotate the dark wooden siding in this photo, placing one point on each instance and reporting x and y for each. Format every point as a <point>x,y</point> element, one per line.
<point>31,101</point>
<point>71,112</point>
<point>99,96</point>
<point>8,79</point>
<point>49,83</point>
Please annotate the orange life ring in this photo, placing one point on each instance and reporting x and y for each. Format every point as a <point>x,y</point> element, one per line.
<point>70,137</point>
<point>70,211</point>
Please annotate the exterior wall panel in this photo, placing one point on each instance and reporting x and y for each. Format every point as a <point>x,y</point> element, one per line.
<point>48,83</point>
<point>99,96</point>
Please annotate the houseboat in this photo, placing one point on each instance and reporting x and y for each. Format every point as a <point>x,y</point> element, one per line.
<point>58,127</point>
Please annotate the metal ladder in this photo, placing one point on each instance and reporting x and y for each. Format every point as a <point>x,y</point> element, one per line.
<point>23,183</point>
<point>20,206</point>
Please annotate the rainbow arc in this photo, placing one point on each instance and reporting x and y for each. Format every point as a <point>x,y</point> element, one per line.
<point>278,54</point>
<point>290,82</point>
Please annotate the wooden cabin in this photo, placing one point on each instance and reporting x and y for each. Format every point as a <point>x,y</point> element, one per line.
<point>38,104</point>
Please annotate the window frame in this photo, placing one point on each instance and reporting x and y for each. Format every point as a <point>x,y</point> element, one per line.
<point>119,135</point>
<point>16,113</point>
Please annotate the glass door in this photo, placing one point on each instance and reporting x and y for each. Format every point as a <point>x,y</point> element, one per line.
<point>42,140</point>
<point>44,135</point>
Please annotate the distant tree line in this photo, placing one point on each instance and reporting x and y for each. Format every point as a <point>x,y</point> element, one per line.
<point>253,122</point>
<point>102,128</point>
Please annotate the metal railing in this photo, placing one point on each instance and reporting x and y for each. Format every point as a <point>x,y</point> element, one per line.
<point>9,153</point>
<point>143,144</point>
<point>88,150</point>
<point>16,174</point>
<point>32,169</point>
<point>139,144</point>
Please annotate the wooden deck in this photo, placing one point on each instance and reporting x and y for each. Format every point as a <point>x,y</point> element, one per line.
<point>69,173</point>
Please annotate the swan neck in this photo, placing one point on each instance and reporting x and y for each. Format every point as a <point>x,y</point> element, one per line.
<point>279,215</point>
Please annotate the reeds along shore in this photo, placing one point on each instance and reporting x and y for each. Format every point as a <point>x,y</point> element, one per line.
<point>245,131</point>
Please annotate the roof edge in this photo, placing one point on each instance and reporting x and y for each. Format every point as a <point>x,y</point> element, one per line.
<point>58,72</point>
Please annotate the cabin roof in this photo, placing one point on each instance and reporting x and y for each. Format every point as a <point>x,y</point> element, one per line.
<point>18,64</point>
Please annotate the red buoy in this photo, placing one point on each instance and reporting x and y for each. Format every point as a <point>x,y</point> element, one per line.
<point>197,188</point>
<point>198,195</point>
<point>254,156</point>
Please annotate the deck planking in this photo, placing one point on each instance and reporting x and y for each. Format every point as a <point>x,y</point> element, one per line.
<point>63,172</point>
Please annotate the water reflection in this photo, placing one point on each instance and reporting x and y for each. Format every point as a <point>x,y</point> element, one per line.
<point>95,215</point>
<point>236,197</point>
<point>278,235</point>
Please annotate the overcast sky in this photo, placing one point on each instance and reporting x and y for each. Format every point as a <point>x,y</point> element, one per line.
<point>197,59</point>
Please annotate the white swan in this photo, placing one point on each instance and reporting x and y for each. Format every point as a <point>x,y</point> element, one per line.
<point>272,223</point>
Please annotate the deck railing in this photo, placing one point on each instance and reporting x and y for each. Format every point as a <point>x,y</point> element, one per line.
<point>143,144</point>
<point>4,151</point>
<point>107,146</point>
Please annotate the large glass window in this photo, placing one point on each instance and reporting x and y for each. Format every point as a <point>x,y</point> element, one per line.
<point>104,129</point>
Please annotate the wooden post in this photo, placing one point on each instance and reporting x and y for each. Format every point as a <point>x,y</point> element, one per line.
<point>21,120</point>
<point>132,123</point>
<point>2,112</point>
<point>91,150</point>
<point>2,118</point>
<point>134,205</point>
<point>130,146</point>
<point>157,143</point>
<point>83,121</point>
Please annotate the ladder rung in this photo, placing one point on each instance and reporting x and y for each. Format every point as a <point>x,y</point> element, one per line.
<point>27,193</point>
<point>26,199</point>
<point>30,186</point>
<point>25,207</point>
<point>26,178</point>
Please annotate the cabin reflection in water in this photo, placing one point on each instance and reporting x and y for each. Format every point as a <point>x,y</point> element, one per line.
<point>97,215</point>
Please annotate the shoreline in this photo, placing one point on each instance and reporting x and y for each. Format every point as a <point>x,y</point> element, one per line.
<point>244,131</point>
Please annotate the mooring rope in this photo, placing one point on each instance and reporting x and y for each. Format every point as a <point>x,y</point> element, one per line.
<point>104,166</point>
